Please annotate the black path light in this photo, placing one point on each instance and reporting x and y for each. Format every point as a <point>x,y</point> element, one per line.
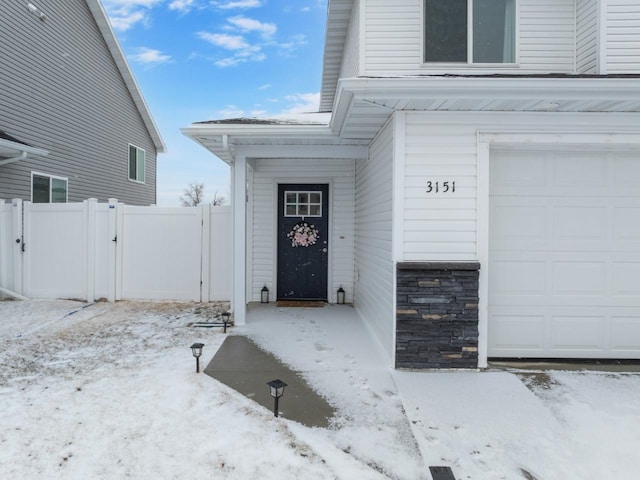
<point>264,295</point>
<point>277,390</point>
<point>196,349</point>
<point>225,320</point>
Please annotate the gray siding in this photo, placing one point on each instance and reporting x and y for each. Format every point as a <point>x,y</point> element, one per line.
<point>60,90</point>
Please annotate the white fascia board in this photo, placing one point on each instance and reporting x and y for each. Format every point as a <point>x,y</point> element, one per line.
<point>219,138</point>
<point>102,20</point>
<point>497,87</point>
<point>17,148</point>
<point>372,89</point>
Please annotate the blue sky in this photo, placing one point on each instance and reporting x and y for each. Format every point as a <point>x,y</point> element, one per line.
<point>209,59</point>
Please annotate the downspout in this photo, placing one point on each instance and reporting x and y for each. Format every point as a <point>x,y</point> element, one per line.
<point>22,156</point>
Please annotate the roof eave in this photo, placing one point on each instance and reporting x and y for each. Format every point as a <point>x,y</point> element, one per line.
<point>102,20</point>
<point>219,138</point>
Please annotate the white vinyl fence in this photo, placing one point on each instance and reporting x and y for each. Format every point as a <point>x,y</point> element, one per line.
<point>94,250</point>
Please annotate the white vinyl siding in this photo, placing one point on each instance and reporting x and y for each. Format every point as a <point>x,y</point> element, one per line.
<point>263,218</point>
<point>351,56</point>
<point>374,261</point>
<point>623,36</point>
<point>439,226</point>
<point>547,35</point>
<point>546,40</point>
<point>587,36</point>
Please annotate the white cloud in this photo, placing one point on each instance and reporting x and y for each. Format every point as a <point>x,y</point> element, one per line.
<point>231,111</point>
<point>125,14</point>
<point>246,24</point>
<point>183,6</point>
<point>266,86</point>
<point>149,56</point>
<point>243,50</point>
<point>229,42</point>
<point>228,5</point>
<point>296,41</point>
<point>303,102</point>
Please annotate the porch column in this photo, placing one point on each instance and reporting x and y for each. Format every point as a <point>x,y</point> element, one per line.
<point>239,246</point>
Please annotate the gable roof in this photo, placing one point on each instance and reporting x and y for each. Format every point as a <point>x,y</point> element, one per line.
<point>338,18</point>
<point>104,26</point>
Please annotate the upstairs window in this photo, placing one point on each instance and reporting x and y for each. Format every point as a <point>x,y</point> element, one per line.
<point>48,189</point>
<point>136,164</point>
<point>470,31</point>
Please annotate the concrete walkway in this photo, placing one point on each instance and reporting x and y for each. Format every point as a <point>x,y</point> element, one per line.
<point>243,366</point>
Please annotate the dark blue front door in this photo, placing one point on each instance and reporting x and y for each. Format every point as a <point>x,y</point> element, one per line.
<point>303,241</point>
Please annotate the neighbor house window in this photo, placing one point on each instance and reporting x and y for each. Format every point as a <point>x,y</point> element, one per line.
<point>48,189</point>
<point>470,31</point>
<point>136,163</point>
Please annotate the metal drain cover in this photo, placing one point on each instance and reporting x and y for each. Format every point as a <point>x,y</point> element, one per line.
<point>441,473</point>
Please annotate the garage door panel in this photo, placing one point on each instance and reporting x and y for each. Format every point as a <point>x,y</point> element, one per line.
<point>578,333</point>
<point>512,334</point>
<point>564,260</point>
<point>626,278</point>
<point>626,172</point>
<point>579,278</point>
<point>520,227</point>
<point>518,277</point>
<point>583,227</point>
<point>579,170</point>
<point>625,335</point>
<point>626,228</point>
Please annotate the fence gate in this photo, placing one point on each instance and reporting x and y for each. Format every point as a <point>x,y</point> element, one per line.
<point>91,250</point>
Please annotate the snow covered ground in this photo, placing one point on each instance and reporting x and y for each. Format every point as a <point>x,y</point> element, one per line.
<point>108,391</point>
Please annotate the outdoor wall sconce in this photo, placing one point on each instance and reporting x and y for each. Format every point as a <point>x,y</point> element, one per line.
<point>277,390</point>
<point>264,295</point>
<point>196,349</point>
<point>341,296</point>
<point>225,321</point>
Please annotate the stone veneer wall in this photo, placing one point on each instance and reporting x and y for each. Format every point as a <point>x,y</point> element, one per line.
<point>437,315</point>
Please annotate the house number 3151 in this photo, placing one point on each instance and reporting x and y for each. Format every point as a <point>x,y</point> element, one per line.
<point>441,187</point>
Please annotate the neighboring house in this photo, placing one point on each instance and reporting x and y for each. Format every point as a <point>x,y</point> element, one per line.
<point>73,122</point>
<point>479,179</point>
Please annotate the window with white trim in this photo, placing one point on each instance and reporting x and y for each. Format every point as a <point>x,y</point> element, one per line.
<point>48,188</point>
<point>136,163</point>
<point>470,31</point>
<point>303,204</point>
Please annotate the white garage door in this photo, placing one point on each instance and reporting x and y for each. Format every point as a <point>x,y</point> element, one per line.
<point>564,273</point>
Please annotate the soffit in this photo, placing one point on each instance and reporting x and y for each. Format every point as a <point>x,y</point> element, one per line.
<point>365,104</point>
<point>338,18</point>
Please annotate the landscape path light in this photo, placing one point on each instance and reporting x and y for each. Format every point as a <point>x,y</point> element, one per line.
<point>196,349</point>
<point>277,390</point>
<point>225,320</point>
<point>264,295</point>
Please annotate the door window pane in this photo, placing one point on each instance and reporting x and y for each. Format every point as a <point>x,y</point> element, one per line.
<point>303,204</point>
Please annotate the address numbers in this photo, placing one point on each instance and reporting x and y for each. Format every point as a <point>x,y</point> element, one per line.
<point>441,187</point>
